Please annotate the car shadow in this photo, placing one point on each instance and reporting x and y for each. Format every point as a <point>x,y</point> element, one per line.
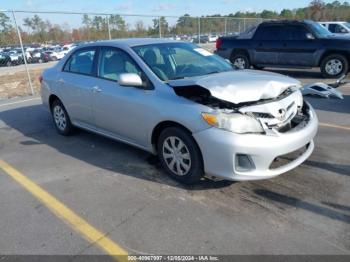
<point>35,123</point>
<point>336,168</point>
<point>302,204</point>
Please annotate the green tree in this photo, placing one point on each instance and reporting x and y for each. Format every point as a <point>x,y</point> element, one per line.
<point>287,14</point>
<point>5,25</point>
<point>266,14</point>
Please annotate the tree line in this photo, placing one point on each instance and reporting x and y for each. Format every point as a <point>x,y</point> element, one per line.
<point>37,30</point>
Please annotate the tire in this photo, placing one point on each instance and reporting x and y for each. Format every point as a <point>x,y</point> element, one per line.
<point>334,66</point>
<point>61,118</point>
<point>185,164</point>
<point>240,61</point>
<point>8,63</point>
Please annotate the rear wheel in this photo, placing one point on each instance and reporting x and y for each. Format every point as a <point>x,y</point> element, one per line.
<point>180,155</point>
<point>240,61</point>
<point>61,119</point>
<point>334,66</point>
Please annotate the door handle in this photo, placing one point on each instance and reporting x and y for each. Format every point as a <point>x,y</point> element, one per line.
<point>61,80</point>
<point>96,89</point>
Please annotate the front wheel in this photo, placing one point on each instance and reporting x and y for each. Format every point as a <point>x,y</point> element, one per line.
<point>180,156</point>
<point>240,61</point>
<point>334,66</point>
<point>61,119</point>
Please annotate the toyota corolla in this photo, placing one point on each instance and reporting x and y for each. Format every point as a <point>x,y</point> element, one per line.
<point>190,107</point>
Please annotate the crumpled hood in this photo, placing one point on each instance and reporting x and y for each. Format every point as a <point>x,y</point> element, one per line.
<point>241,85</point>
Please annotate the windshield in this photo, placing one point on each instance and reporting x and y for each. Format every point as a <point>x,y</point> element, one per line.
<point>318,30</point>
<point>347,25</point>
<point>170,61</point>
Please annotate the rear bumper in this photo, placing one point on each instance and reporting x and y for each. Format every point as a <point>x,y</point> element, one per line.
<point>220,150</point>
<point>224,53</point>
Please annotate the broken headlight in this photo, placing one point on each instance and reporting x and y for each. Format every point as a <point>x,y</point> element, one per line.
<point>235,122</point>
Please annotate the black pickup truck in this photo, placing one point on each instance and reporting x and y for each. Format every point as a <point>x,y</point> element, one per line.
<point>294,44</point>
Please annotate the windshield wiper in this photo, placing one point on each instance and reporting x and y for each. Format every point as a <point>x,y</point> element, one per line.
<point>213,72</point>
<point>179,77</point>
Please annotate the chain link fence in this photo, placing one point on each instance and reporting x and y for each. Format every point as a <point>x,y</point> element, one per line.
<point>32,41</point>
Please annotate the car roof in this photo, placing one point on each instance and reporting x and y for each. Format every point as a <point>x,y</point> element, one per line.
<point>130,42</point>
<point>283,22</point>
<point>333,22</point>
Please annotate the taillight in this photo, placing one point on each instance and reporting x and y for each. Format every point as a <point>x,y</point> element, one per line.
<point>218,43</point>
<point>41,79</point>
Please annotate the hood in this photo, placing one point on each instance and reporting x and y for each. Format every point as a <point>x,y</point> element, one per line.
<point>241,86</point>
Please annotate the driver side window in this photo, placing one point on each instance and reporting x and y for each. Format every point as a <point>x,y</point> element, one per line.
<point>113,62</point>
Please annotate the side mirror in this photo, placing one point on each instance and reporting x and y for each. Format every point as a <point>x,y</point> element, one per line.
<point>343,31</point>
<point>310,36</point>
<point>130,79</point>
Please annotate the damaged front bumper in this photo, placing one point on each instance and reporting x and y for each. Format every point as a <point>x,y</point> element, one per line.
<point>251,156</point>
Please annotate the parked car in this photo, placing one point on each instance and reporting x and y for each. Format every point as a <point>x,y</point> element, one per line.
<point>296,44</point>
<point>11,58</point>
<point>337,27</point>
<point>5,59</point>
<point>52,55</point>
<point>185,104</point>
<point>212,38</point>
<point>40,57</point>
<point>203,39</point>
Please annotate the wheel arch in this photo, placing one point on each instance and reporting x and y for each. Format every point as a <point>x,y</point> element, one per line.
<point>237,51</point>
<point>52,98</point>
<point>157,130</point>
<point>333,52</point>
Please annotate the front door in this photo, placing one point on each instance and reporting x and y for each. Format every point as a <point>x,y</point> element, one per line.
<point>120,111</point>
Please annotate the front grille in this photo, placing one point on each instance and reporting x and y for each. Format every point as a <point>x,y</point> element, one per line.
<point>263,115</point>
<point>287,158</point>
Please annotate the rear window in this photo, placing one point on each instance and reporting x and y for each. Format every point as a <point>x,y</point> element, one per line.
<point>81,62</point>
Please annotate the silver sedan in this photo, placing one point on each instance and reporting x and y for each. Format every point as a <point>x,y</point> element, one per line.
<point>192,108</point>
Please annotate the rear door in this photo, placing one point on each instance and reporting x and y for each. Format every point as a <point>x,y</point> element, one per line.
<point>76,82</point>
<point>298,48</point>
<point>267,44</point>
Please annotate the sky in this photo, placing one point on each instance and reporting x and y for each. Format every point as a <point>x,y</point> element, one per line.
<point>159,7</point>
<point>146,7</point>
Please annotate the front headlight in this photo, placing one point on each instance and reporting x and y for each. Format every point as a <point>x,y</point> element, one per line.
<point>235,122</point>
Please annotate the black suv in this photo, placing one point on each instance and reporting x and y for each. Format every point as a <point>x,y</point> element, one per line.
<point>295,44</point>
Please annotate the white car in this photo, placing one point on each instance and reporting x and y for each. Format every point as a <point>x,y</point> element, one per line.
<point>213,38</point>
<point>337,27</point>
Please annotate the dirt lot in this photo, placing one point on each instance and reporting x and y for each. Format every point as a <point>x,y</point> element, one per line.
<point>14,84</point>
